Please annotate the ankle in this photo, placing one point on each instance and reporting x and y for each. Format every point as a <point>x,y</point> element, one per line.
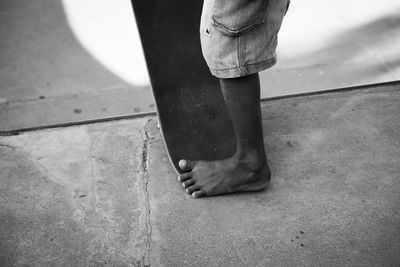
<point>251,158</point>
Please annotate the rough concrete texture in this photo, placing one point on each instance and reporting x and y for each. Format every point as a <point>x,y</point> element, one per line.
<point>334,198</point>
<point>107,193</point>
<point>74,197</point>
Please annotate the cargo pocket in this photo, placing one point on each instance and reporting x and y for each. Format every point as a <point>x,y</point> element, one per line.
<point>236,17</point>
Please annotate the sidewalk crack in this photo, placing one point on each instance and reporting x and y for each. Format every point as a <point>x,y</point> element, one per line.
<point>146,177</point>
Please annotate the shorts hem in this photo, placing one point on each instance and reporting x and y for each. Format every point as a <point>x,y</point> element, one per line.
<point>245,70</point>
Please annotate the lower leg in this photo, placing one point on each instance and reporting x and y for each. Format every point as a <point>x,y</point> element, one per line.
<point>247,169</point>
<point>242,97</point>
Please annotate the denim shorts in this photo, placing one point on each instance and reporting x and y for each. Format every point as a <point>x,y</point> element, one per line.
<point>239,37</point>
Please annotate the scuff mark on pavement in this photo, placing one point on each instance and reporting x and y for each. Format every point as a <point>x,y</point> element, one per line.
<point>8,146</point>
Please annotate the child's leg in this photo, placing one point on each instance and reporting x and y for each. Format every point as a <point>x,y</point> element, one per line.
<point>238,40</point>
<point>247,169</point>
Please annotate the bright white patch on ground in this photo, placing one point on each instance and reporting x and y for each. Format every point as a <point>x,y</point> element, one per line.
<point>107,29</point>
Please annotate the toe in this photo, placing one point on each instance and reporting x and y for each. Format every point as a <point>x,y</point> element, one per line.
<point>188,183</point>
<point>184,176</point>
<point>185,165</point>
<point>197,194</point>
<point>192,188</point>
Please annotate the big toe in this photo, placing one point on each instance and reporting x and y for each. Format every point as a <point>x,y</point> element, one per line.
<point>186,165</point>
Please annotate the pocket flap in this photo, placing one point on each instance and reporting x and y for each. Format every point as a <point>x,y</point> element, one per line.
<point>235,17</point>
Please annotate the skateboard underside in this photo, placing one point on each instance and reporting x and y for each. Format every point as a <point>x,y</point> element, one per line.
<point>190,106</point>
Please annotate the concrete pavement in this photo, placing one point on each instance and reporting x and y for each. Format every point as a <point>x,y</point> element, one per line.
<point>106,193</point>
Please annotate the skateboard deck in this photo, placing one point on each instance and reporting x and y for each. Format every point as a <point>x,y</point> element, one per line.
<point>193,117</point>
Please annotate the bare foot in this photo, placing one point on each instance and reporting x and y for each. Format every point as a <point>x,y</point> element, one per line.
<point>209,178</point>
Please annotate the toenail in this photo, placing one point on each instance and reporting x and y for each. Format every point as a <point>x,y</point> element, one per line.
<point>182,163</point>
<point>183,184</point>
